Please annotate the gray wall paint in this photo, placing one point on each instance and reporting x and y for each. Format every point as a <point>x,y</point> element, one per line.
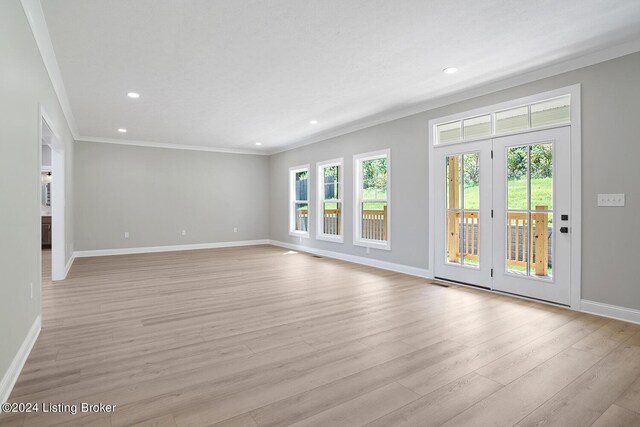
<point>409,187</point>
<point>24,84</point>
<point>155,193</point>
<point>610,152</point>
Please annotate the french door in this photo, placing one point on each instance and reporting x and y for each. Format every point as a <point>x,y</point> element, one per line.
<point>503,211</point>
<point>463,213</point>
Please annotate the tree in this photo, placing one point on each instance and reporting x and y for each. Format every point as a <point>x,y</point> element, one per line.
<point>541,161</point>
<point>374,174</point>
<point>471,170</point>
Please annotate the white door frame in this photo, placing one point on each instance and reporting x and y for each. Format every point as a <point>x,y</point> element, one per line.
<point>576,174</point>
<point>58,244</point>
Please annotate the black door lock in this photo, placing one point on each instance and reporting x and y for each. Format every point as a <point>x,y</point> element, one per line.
<point>564,229</point>
<point>564,217</point>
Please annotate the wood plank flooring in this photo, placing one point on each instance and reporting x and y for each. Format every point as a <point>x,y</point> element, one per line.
<point>264,336</point>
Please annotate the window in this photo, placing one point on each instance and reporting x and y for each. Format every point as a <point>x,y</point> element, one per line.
<point>372,200</point>
<point>330,201</point>
<point>299,201</point>
<point>546,113</point>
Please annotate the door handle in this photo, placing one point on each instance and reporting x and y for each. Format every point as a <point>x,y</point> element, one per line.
<point>564,229</point>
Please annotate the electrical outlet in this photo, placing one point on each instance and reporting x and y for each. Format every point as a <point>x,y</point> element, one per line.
<point>235,229</point>
<point>184,232</point>
<point>31,290</point>
<point>126,234</point>
<point>611,199</point>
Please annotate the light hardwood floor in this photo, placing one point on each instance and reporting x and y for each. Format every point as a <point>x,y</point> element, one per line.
<point>262,336</point>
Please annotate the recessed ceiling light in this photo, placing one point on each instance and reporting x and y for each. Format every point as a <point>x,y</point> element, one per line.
<point>122,130</point>
<point>313,122</point>
<point>133,95</point>
<point>450,70</point>
<point>258,143</point>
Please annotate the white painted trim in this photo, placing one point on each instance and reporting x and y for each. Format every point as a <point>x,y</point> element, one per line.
<point>576,174</point>
<point>357,207</point>
<point>320,235</point>
<point>384,265</point>
<point>169,146</point>
<point>38,24</point>
<point>168,248</point>
<point>492,109</point>
<point>68,266</point>
<point>486,88</point>
<point>58,208</point>
<point>11,376</point>
<point>611,311</point>
<point>576,196</point>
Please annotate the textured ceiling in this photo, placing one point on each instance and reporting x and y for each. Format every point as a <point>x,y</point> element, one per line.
<point>225,74</point>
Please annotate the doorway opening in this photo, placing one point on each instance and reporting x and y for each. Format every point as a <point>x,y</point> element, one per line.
<point>52,199</point>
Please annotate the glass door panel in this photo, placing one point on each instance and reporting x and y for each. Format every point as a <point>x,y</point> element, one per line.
<point>529,209</point>
<point>463,209</point>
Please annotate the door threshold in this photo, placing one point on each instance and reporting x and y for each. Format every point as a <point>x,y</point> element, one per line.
<point>440,280</point>
<point>449,282</point>
<point>543,301</point>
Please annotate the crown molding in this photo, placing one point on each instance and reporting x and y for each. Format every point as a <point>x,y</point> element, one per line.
<point>38,24</point>
<point>170,146</point>
<point>486,88</point>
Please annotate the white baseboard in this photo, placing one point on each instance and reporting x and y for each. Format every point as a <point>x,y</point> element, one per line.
<point>399,268</point>
<point>11,376</point>
<point>68,266</point>
<point>612,311</point>
<point>152,249</point>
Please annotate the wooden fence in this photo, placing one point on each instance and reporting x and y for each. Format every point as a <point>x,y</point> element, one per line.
<point>302,220</point>
<point>374,222</point>
<point>518,249</point>
<point>331,222</point>
<point>537,249</point>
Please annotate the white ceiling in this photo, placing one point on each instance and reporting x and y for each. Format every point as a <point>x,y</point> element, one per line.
<point>228,73</point>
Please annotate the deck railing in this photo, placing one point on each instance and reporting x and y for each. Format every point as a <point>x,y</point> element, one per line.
<point>537,251</point>
<point>302,220</point>
<point>374,222</point>
<point>331,222</point>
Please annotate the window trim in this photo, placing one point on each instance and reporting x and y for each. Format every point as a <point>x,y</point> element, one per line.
<point>493,110</point>
<point>292,201</point>
<point>357,199</point>
<point>320,235</point>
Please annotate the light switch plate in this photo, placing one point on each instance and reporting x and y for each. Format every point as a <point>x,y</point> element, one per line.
<point>611,199</point>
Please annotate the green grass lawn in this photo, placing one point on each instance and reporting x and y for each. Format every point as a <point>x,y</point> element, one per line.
<point>541,194</point>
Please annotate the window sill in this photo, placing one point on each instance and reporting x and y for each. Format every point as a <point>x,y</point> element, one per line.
<point>329,238</point>
<point>304,234</point>
<point>375,244</point>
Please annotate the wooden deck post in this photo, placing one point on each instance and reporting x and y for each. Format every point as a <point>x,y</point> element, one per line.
<point>453,217</point>
<point>385,223</point>
<point>542,243</point>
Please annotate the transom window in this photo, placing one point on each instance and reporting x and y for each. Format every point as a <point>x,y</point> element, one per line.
<point>299,201</point>
<point>330,212</point>
<point>540,114</point>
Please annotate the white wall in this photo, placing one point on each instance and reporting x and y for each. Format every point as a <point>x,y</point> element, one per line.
<point>610,150</point>
<point>24,85</point>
